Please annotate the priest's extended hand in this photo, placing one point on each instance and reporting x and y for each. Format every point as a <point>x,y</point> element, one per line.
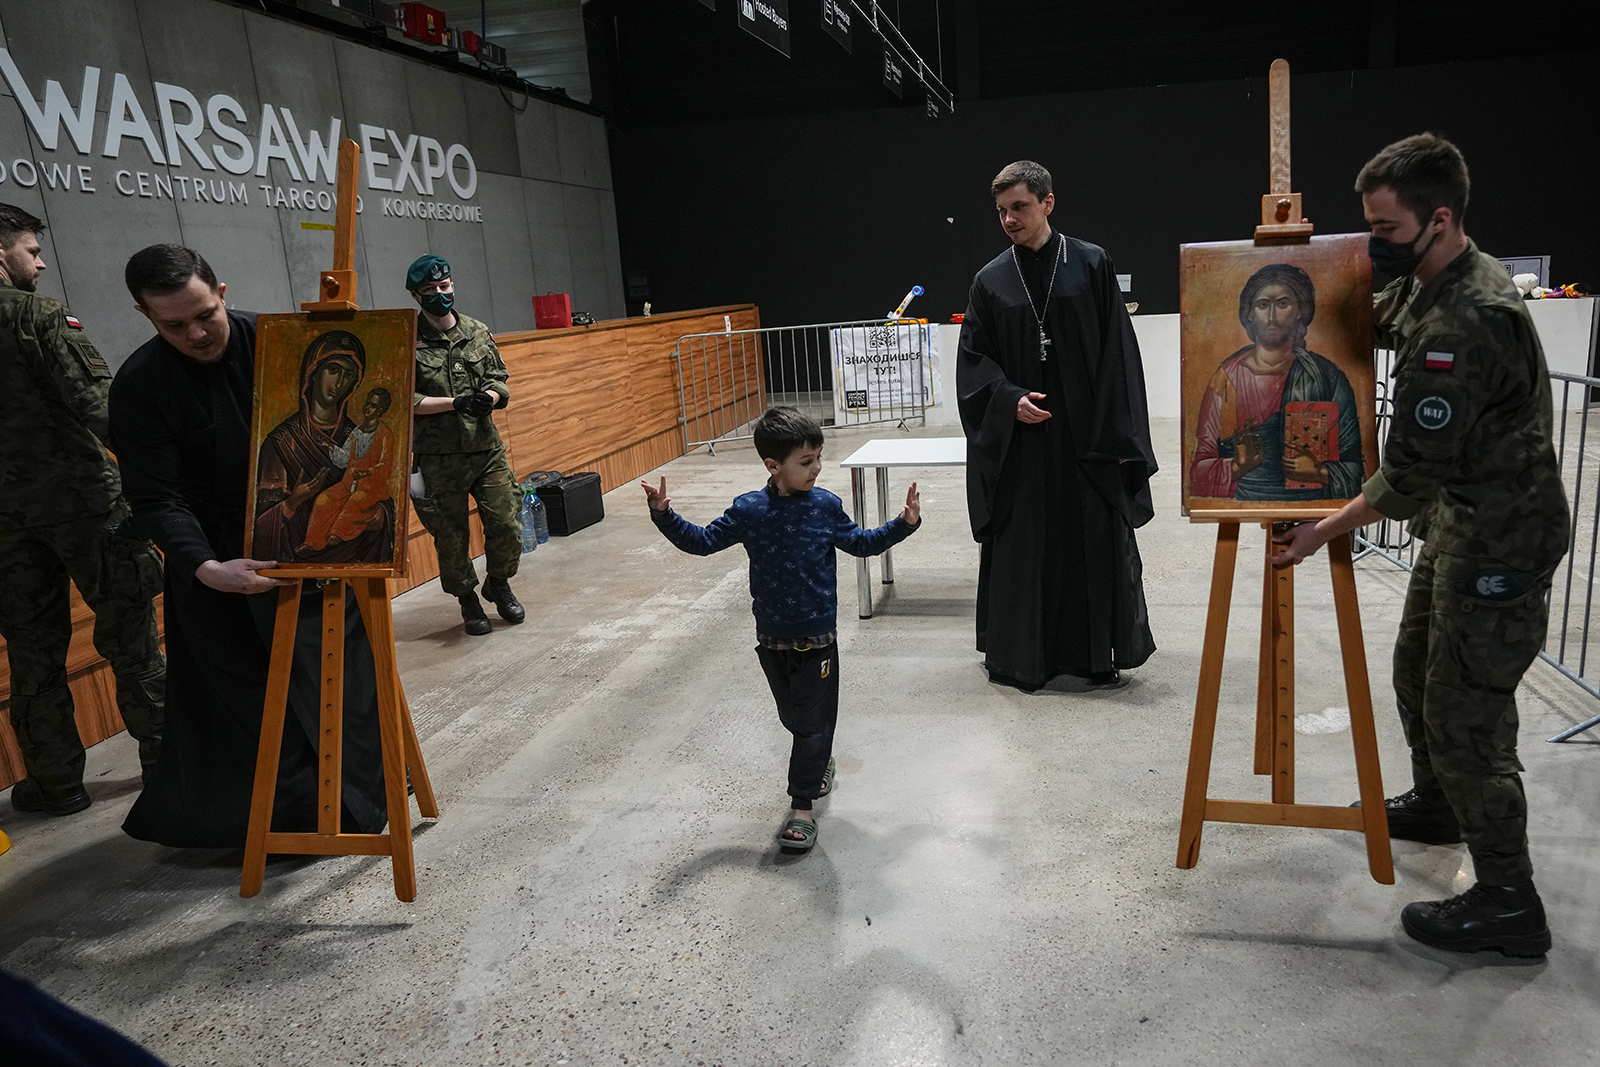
<point>913,510</point>
<point>658,498</point>
<point>238,575</point>
<point>1028,411</point>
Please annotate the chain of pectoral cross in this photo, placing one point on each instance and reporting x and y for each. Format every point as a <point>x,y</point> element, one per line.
<point>1038,316</point>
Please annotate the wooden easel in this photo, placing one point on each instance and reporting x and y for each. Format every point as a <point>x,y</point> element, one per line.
<point>1281,223</point>
<point>397,734</point>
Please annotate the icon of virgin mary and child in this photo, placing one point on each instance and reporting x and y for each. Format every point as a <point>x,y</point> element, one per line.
<point>324,476</point>
<point>1277,421</point>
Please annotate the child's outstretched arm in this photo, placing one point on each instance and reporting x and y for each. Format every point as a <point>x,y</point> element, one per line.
<point>724,532</point>
<point>858,542</point>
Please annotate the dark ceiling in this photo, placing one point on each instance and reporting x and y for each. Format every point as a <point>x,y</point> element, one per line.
<point>660,62</point>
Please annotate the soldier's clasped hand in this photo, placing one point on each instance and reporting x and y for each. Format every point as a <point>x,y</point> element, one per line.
<point>475,404</point>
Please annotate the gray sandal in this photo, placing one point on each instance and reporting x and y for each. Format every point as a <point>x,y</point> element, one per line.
<point>827,780</point>
<point>805,828</point>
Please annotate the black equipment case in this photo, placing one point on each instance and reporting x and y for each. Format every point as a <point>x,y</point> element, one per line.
<point>573,503</point>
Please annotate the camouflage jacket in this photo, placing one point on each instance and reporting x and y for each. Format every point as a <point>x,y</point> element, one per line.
<point>53,391</point>
<point>459,361</point>
<point>1469,457</point>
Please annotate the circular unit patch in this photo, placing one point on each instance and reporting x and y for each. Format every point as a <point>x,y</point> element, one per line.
<point>1433,413</point>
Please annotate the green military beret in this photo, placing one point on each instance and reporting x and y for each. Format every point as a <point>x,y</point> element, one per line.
<point>428,268</point>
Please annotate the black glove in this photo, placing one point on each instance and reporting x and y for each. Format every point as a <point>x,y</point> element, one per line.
<point>475,404</point>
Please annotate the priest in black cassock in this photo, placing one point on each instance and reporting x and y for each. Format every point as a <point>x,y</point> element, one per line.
<point>180,426</point>
<point>1051,395</point>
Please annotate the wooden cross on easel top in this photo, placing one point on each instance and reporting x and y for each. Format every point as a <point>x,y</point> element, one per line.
<point>1281,219</point>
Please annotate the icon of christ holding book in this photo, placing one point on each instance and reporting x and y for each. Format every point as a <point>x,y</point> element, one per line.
<point>1277,421</point>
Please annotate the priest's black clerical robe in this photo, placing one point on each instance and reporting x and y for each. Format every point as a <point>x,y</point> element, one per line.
<point>181,432</point>
<point>1055,504</point>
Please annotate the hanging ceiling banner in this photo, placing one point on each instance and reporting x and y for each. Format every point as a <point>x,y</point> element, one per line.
<point>894,75</point>
<point>768,20</point>
<point>836,21</point>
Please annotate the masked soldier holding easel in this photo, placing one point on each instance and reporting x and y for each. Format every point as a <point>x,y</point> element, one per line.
<point>1470,462</point>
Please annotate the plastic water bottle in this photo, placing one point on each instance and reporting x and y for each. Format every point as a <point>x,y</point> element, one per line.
<point>541,519</point>
<point>531,508</point>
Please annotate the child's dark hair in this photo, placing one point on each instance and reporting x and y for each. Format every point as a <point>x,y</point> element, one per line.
<point>381,395</point>
<point>782,430</point>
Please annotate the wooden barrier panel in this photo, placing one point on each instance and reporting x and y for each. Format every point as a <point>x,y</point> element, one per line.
<point>598,398</point>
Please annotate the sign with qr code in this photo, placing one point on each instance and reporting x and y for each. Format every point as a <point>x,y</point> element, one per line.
<point>883,368</point>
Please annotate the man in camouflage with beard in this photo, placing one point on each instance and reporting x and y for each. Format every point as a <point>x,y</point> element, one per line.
<point>1471,463</point>
<point>62,518</point>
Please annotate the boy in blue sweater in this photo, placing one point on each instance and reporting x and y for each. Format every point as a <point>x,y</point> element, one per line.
<point>790,530</point>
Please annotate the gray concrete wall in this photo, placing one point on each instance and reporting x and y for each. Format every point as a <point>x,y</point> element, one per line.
<point>543,217</point>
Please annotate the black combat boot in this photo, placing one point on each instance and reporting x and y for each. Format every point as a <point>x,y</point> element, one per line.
<point>29,795</point>
<point>477,623</point>
<point>1413,817</point>
<point>1505,917</point>
<point>497,591</point>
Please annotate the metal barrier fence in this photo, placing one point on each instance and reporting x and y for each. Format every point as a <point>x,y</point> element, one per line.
<point>839,373</point>
<point>1566,646</point>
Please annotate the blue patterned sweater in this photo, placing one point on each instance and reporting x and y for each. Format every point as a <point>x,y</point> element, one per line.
<point>790,541</point>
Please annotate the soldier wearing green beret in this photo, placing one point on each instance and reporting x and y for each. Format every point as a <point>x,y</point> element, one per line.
<point>1470,461</point>
<point>460,380</point>
<point>63,519</point>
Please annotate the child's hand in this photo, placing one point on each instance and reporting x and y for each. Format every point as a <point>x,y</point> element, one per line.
<point>658,498</point>
<point>913,511</point>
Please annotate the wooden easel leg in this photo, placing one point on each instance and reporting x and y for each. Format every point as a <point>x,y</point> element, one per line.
<point>330,742</point>
<point>272,712</point>
<point>1266,679</point>
<point>1283,686</point>
<point>1363,732</point>
<point>426,804</point>
<point>372,596</point>
<point>1205,704</point>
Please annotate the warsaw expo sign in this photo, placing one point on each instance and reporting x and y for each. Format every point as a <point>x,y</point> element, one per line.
<point>169,135</point>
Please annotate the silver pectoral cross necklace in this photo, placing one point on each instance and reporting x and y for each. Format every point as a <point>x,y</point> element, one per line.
<point>1038,314</point>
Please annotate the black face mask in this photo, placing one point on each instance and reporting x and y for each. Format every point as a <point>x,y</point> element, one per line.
<point>1391,260</point>
<point>438,304</point>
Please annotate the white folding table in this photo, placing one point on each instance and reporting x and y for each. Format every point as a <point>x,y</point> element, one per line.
<point>882,454</point>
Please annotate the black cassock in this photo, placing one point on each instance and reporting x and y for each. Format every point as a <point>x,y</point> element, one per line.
<point>181,432</point>
<point>1055,504</point>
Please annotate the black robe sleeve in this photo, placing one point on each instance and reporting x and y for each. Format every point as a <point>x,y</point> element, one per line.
<point>987,402</point>
<point>1121,425</point>
<point>150,445</point>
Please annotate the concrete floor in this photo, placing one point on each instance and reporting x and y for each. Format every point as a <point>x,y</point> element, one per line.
<point>994,881</point>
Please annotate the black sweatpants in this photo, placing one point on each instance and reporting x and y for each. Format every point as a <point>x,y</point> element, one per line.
<point>806,686</point>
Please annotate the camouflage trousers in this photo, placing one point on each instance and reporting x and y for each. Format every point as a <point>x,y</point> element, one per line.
<point>448,480</point>
<point>1468,633</point>
<point>118,578</point>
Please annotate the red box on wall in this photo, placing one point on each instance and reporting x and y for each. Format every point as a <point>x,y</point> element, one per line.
<point>424,23</point>
<point>553,311</point>
<point>469,42</point>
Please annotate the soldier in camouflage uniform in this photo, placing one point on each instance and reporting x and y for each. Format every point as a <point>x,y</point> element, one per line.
<point>460,380</point>
<point>1470,461</point>
<point>62,518</point>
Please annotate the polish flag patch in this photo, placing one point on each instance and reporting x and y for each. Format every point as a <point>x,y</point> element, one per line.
<point>74,323</point>
<point>1440,361</point>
